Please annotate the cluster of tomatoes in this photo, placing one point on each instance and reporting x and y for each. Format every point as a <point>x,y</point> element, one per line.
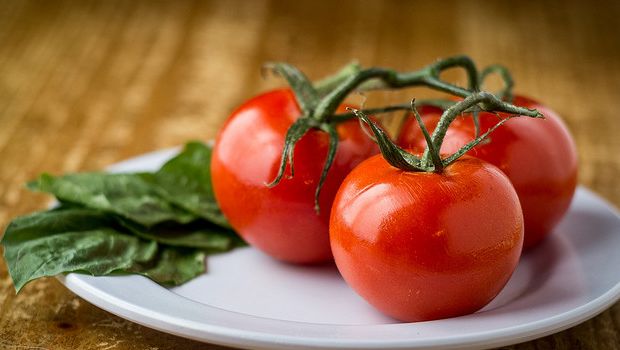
<point>417,245</point>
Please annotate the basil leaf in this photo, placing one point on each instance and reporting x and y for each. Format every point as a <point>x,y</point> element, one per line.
<point>58,220</point>
<point>49,243</point>
<point>83,240</point>
<point>127,195</point>
<point>185,180</point>
<point>160,225</point>
<point>193,164</point>
<point>174,266</point>
<point>200,234</point>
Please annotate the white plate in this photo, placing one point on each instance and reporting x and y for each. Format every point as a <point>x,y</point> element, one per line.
<point>248,300</point>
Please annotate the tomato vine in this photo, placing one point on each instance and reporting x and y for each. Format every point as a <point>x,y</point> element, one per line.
<point>319,103</point>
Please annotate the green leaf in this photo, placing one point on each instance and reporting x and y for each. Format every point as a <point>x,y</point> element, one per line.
<point>72,240</point>
<point>193,167</point>
<point>127,195</point>
<point>160,225</point>
<point>174,266</point>
<point>55,221</point>
<point>89,241</point>
<point>185,181</point>
<point>199,234</point>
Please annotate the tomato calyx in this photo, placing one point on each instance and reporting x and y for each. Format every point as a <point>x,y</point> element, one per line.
<point>431,160</point>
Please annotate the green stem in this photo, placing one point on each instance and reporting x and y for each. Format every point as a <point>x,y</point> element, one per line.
<point>506,92</point>
<point>440,103</point>
<point>327,84</point>
<point>462,61</point>
<point>488,101</point>
<point>337,118</point>
<point>328,105</point>
<point>382,78</point>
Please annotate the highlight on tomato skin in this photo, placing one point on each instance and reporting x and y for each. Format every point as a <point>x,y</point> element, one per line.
<point>281,220</point>
<point>538,155</point>
<point>423,246</point>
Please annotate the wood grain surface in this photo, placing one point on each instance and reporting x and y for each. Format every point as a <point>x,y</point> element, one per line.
<point>84,84</point>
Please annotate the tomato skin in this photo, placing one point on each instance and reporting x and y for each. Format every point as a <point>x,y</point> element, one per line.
<point>281,221</point>
<point>424,246</point>
<point>538,156</point>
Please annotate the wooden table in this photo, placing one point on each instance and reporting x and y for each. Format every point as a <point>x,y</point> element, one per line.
<point>84,84</point>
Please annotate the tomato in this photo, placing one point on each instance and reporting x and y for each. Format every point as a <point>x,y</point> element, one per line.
<point>422,246</point>
<point>538,156</point>
<point>281,220</point>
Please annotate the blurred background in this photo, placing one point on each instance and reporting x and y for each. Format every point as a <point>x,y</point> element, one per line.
<point>84,84</point>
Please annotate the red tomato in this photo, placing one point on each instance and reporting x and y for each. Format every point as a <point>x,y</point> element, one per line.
<point>281,221</point>
<point>538,156</point>
<point>422,246</point>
